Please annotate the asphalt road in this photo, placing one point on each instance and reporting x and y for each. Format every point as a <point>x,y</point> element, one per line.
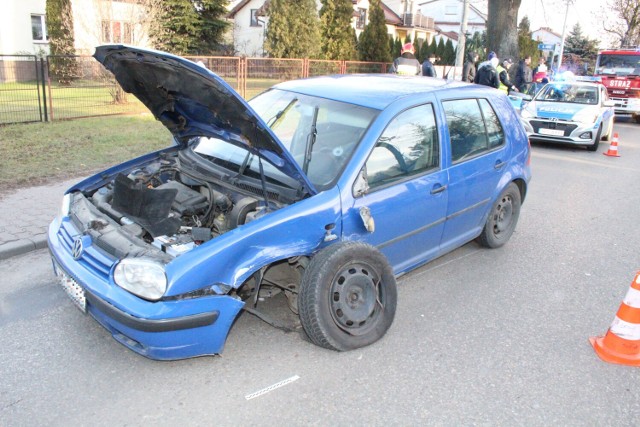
<point>481,337</point>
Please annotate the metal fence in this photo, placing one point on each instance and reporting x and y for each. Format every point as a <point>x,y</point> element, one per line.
<point>36,89</point>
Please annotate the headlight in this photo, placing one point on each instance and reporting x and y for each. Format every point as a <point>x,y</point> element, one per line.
<point>142,277</point>
<point>585,116</point>
<point>66,205</point>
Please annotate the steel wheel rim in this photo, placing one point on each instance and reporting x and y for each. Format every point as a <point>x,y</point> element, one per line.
<point>356,298</point>
<point>503,215</point>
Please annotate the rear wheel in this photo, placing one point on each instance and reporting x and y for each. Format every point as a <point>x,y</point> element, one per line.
<point>594,146</point>
<point>502,219</point>
<point>347,296</point>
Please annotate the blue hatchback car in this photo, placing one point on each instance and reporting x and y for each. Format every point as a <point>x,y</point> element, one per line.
<point>321,190</point>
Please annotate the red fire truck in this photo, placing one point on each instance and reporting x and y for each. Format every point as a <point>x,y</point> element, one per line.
<point>619,70</point>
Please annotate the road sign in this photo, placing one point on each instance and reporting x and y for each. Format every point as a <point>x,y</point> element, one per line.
<point>543,46</point>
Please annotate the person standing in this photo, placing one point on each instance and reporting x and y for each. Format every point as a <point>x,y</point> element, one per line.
<point>487,74</point>
<point>469,67</point>
<point>524,74</point>
<point>428,69</point>
<point>406,64</point>
<point>503,75</point>
<point>540,71</point>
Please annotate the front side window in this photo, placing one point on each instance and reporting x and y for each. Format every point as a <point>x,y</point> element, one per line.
<point>408,146</point>
<point>38,28</point>
<point>474,128</point>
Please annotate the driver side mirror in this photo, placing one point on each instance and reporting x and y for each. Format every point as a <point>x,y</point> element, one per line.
<point>361,185</point>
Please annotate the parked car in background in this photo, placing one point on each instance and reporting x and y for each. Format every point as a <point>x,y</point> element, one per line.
<point>321,190</point>
<point>570,112</point>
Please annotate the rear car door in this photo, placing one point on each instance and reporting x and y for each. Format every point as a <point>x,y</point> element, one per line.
<point>407,197</point>
<point>478,157</point>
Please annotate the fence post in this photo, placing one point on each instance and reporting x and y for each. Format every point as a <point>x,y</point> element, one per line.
<point>35,64</point>
<point>44,90</point>
<point>49,87</point>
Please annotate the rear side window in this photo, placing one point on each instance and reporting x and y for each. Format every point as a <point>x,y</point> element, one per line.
<point>408,146</point>
<point>474,128</point>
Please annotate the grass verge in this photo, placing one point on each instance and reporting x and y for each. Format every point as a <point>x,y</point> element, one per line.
<point>37,153</point>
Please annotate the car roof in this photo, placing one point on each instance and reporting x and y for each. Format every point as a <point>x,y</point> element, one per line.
<point>371,90</point>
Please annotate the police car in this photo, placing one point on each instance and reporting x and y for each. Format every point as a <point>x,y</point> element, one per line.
<point>570,112</point>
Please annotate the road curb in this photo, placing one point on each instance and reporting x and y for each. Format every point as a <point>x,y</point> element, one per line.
<point>22,246</point>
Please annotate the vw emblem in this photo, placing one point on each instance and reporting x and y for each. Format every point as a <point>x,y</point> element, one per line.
<point>77,249</point>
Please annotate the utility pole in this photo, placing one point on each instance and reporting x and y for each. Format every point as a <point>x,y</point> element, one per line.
<point>564,32</point>
<point>462,36</point>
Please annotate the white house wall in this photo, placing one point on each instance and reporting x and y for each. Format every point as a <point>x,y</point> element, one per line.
<point>88,17</point>
<point>248,40</point>
<point>15,27</point>
<point>447,15</point>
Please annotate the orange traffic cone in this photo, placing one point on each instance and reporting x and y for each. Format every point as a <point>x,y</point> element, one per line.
<point>613,147</point>
<point>621,344</point>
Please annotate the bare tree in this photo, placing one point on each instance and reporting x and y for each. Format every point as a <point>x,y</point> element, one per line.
<point>622,21</point>
<point>502,27</point>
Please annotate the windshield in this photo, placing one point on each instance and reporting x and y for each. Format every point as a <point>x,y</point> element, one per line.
<point>561,92</point>
<point>620,65</point>
<point>324,131</point>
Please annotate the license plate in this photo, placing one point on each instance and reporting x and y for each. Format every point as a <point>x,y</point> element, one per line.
<point>554,132</point>
<point>71,287</point>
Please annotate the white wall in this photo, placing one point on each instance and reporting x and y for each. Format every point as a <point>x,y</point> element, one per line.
<point>88,16</point>
<point>15,26</point>
<point>447,15</point>
<point>248,40</point>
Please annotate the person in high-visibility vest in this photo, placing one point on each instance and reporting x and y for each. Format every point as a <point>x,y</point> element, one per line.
<point>503,75</point>
<point>406,64</point>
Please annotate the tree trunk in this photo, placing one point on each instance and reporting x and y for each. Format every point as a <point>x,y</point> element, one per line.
<point>502,28</point>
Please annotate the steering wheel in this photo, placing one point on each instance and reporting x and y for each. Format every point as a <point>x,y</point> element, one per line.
<point>396,154</point>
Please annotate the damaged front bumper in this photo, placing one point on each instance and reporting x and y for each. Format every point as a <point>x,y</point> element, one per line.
<point>163,330</point>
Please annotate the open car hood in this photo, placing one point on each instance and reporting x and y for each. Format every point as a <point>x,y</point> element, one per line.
<point>192,101</point>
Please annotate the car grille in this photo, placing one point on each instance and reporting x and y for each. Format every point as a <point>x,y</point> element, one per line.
<point>92,258</point>
<point>567,128</point>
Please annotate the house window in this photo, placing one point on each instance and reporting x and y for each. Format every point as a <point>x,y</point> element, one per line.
<point>254,18</point>
<point>362,19</point>
<point>117,32</point>
<point>38,28</point>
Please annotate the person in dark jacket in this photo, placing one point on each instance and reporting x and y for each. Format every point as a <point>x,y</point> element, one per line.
<point>487,74</point>
<point>406,64</point>
<point>524,74</point>
<point>469,67</point>
<point>503,75</point>
<point>427,66</point>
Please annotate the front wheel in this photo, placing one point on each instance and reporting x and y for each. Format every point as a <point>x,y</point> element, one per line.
<point>347,296</point>
<point>596,142</point>
<point>502,219</point>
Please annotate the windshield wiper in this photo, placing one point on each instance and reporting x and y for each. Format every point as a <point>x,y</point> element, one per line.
<point>274,119</point>
<point>311,139</point>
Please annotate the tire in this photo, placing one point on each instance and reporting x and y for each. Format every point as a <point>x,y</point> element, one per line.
<point>594,146</point>
<point>636,118</point>
<point>502,218</point>
<point>347,296</point>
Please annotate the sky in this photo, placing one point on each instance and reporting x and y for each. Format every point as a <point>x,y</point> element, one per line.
<point>551,13</point>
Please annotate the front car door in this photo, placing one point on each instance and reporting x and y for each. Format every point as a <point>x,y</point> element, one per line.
<point>407,191</point>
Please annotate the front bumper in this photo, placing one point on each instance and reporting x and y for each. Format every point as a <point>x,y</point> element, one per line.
<point>162,330</point>
<point>560,131</point>
<point>623,106</point>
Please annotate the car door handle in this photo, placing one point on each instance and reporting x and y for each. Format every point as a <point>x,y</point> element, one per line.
<point>499,164</point>
<point>438,189</point>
